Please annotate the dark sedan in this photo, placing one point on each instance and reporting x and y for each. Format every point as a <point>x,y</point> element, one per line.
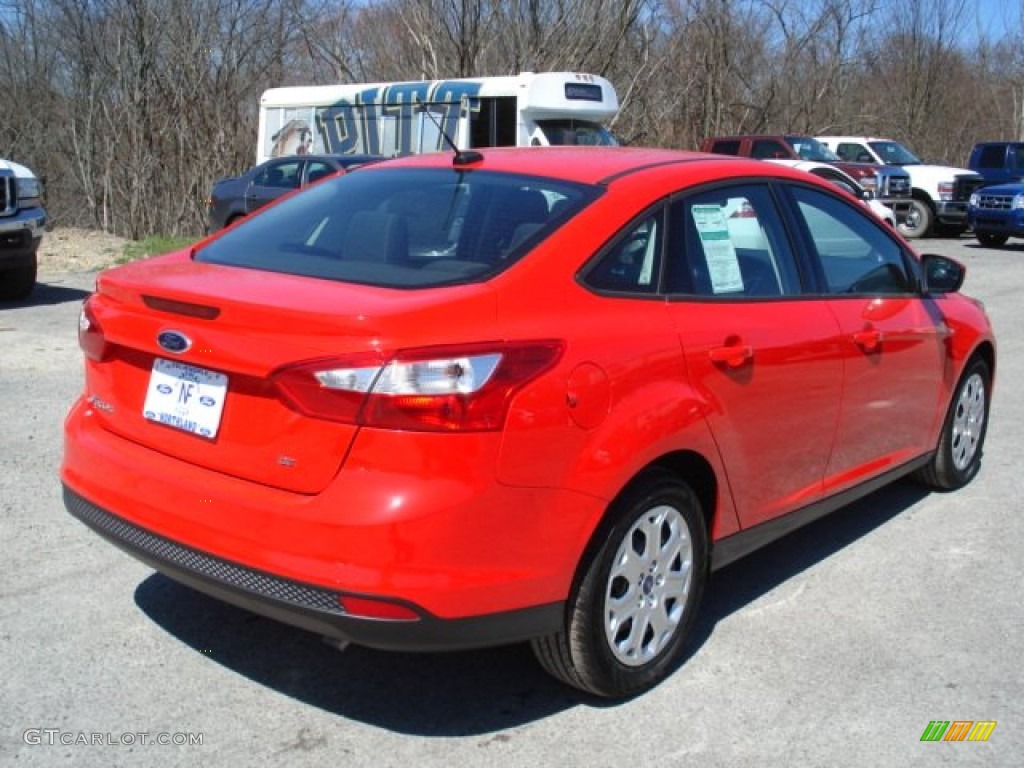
<point>238,196</point>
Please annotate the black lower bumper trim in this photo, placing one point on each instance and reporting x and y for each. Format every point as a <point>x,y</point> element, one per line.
<point>308,606</point>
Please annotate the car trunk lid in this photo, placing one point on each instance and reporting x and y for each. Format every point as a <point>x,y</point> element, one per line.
<point>190,351</point>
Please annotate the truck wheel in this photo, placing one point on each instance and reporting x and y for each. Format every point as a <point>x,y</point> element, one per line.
<point>991,241</point>
<point>634,605</point>
<point>16,284</point>
<point>918,221</point>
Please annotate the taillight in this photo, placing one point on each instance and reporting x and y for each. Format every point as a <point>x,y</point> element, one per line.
<point>90,334</point>
<point>445,389</point>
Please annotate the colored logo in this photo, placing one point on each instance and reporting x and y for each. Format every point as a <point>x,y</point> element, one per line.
<point>173,341</point>
<point>958,730</point>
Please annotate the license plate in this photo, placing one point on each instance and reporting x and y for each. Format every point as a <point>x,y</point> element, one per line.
<point>185,397</point>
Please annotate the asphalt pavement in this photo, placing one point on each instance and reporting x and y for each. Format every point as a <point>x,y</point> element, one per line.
<point>836,646</point>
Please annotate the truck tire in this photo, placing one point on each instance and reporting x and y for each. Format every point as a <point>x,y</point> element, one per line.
<point>918,222</point>
<point>990,240</point>
<point>17,284</point>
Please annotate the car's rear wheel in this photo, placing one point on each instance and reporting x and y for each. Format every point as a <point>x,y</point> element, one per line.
<point>16,284</point>
<point>918,221</point>
<point>636,598</point>
<point>991,241</point>
<point>958,456</point>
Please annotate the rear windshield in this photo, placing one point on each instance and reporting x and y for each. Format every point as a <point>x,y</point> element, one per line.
<point>403,227</point>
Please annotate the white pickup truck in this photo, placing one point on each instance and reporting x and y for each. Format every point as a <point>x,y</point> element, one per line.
<point>939,193</point>
<point>22,220</point>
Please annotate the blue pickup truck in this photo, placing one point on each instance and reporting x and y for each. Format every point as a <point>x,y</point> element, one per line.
<point>996,211</point>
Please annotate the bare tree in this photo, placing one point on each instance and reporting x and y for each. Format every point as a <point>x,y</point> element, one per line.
<point>131,108</point>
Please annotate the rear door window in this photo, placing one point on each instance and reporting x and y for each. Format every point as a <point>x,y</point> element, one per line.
<point>729,243</point>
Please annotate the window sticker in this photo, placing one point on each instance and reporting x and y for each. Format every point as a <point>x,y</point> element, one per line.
<point>723,266</point>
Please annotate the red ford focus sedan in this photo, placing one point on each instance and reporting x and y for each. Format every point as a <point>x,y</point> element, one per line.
<point>519,395</point>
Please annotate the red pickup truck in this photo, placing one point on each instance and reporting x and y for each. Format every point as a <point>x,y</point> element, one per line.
<point>890,185</point>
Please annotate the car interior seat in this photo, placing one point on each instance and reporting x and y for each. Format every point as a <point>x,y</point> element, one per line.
<point>376,236</point>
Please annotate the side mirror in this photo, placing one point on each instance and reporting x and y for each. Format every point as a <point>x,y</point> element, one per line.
<point>942,274</point>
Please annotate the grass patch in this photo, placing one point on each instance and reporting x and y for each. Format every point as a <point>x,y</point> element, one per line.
<point>153,245</point>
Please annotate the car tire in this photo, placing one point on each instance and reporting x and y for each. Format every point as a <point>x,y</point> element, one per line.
<point>991,241</point>
<point>636,597</point>
<point>17,284</point>
<point>957,458</point>
<point>918,221</point>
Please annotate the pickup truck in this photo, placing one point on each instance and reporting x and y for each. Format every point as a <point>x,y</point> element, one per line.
<point>22,220</point>
<point>939,193</point>
<point>889,186</point>
<point>996,211</point>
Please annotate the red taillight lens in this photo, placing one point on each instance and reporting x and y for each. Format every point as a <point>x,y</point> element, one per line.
<point>332,389</point>
<point>90,334</point>
<point>446,389</point>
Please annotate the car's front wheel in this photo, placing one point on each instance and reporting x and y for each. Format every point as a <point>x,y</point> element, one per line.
<point>958,456</point>
<point>636,598</point>
<point>991,241</point>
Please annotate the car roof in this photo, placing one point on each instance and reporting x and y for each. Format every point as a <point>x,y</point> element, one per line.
<point>590,165</point>
<point>342,159</point>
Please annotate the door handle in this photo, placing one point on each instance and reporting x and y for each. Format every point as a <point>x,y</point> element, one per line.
<point>869,339</point>
<point>731,356</point>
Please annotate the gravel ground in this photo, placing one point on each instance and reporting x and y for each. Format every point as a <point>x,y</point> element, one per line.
<point>78,250</point>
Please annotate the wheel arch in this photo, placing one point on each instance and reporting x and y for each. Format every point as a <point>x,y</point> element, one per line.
<point>697,471</point>
<point>985,351</point>
<point>687,465</point>
<point>917,193</point>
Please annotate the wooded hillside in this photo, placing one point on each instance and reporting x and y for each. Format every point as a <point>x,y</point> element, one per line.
<point>131,108</point>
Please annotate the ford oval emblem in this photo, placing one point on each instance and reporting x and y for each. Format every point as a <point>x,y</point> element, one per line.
<point>173,341</point>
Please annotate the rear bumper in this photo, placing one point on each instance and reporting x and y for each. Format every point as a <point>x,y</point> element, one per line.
<point>309,606</point>
<point>480,563</point>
